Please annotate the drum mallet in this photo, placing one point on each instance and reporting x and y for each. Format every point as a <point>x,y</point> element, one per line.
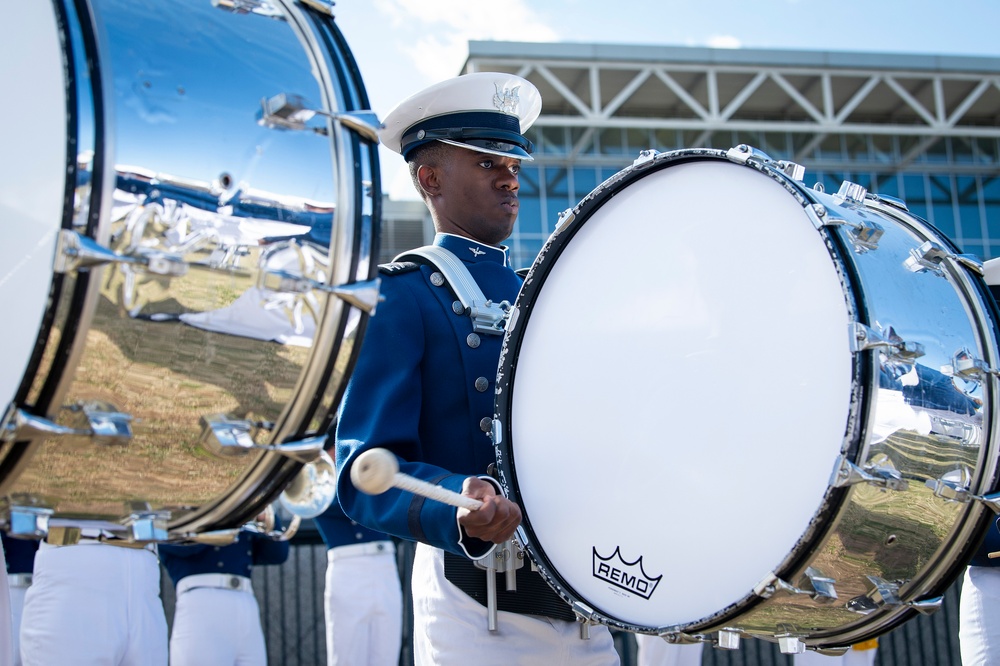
<point>377,470</point>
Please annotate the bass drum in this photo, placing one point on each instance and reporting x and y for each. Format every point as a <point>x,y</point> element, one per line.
<point>191,210</point>
<point>731,406</point>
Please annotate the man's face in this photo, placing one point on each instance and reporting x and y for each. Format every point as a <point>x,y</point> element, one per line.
<point>477,195</point>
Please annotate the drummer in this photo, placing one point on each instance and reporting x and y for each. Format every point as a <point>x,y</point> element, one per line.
<point>424,383</point>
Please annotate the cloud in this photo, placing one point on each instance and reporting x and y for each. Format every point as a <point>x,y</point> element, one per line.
<point>724,42</point>
<point>441,29</point>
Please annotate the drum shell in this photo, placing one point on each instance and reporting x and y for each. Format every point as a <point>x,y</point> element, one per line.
<point>169,155</point>
<point>877,291</point>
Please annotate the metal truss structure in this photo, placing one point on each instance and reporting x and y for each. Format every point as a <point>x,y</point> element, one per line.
<point>812,95</point>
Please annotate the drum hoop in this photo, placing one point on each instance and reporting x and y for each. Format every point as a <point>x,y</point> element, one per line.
<point>861,383</point>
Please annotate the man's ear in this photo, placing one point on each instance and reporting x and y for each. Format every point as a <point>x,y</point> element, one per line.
<point>428,178</point>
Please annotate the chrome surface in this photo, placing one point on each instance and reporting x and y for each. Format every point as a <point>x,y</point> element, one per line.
<point>312,490</point>
<point>182,205</point>
<point>895,525</point>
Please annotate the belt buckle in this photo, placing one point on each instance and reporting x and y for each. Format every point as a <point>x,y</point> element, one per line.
<point>234,582</point>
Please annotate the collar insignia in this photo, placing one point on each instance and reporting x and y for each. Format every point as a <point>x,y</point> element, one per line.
<point>476,252</point>
<point>506,99</point>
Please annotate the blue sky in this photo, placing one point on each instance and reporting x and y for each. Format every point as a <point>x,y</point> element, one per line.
<point>403,46</point>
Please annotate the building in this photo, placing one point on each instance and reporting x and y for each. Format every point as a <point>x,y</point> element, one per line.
<point>922,128</point>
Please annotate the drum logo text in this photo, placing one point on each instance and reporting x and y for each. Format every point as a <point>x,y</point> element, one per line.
<point>628,576</point>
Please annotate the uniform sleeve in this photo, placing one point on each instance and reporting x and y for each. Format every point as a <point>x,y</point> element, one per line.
<point>381,408</point>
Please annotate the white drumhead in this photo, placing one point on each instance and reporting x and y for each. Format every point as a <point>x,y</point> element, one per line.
<point>32,179</point>
<point>681,393</point>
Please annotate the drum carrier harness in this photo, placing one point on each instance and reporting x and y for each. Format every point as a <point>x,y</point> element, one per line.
<point>509,557</point>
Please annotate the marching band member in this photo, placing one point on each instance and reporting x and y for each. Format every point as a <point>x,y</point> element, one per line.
<point>94,602</point>
<point>217,618</point>
<point>363,598</point>
<point>424,382</point>
<point>20,554</point>
<point>979,604</point>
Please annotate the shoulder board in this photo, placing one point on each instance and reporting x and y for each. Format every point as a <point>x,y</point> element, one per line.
<point>397,267</point>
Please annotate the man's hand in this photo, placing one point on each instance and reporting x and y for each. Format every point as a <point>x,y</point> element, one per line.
<point>496,520</point>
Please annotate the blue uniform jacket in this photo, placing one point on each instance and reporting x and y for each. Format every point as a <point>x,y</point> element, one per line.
<point>422,391</point>
<point>19,553</point>
<point>235,559</point>
<point>339,530</point>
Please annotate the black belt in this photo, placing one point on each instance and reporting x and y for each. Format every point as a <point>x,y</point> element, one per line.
<point>533,595</point>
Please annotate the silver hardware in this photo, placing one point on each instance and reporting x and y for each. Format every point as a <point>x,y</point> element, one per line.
<point>482,384</point>
<point>437,279</point>
<point>226,436</point>
<point>565,218</point>
<point>880,473</point>
<point>899,350</point>
<point>929,257</point>
<point>458,308</point>
<point>292,112</point>
<point>645,158</point>
<point>851,192</point>
<point>148,525</point>
<point>76,252</point>
<point>104,424</point>
<point>728,639</point>
<point>968,367</point>
<point>953,486</point>
<point>213,538</point>
<point>485,424</point>
<point>743,153</point>
<point>29,521</point>
<point>496,432</point>
<point>789,644</point>
<point>506,558</point>
<point>585,630</point>
<point>792,170</point>
<point>822,587</point>
<point>891,201</point>
<point>260,7</point>
<point>472,340</point>
<point>310,492</point>
<point>362,295</point>
<point>864,234</point>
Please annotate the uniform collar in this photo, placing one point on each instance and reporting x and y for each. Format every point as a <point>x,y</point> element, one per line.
<point>467,249</point>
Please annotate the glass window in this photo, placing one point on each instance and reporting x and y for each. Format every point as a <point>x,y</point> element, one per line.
<point>942,207</point>
<point>612,142</point>
<point>991,205</point>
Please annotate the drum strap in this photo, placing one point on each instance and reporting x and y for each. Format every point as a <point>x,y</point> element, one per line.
<point>533,595</point>
<point>487,316</point>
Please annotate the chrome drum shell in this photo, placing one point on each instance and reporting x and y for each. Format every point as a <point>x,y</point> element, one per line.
<point>226,226</point>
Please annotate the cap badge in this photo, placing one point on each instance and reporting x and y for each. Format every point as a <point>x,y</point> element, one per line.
<point>506,99</point>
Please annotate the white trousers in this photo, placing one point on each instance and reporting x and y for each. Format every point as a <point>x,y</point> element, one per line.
<point>850,658</point>
<point>654,651</point>
<point>364,607</point>
<point>6,623</point>
<point>94,605</point>
<point>449,628</point>
<point>979,617</point>
<point>16,610</point>
<point>218,627</point>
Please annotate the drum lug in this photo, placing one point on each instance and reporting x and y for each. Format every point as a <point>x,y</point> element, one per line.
<point>790,643</point>
<point>76,252</point>
<point>565,217</point>
<point>883,475</point>
<point>28,521</point>
<point>864,338</point>
<point>742,153</point>
<point>290,111</point>
<point>646,157</point>
<point>362,295</point>
<point>213,538</point>
<point>105,425</point>
<point>225,437</point>
<point>930,255</point>
<point>864,234</point>
<point>146,525</point>
<point>957,490</point>
<point>967,366</point>
<point>728,639</point>
<point>823,587</point>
